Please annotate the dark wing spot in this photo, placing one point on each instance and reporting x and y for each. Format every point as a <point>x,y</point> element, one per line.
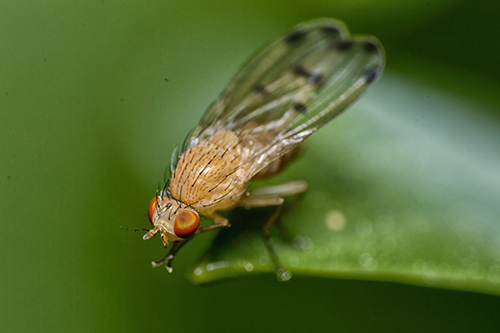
<point>261,89</point>
<point>294,36</point>
<point>330,29</point>
<point>301,71</point>
<point>300,107</point>
<point>343,45</point>
<point>370,47</point>
<point>315,77</point>
<point>312,77</point>
<point>370,74</point>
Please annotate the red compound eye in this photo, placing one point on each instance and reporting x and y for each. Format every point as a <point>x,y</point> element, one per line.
<point>186,223</point>
<point>151,209</point>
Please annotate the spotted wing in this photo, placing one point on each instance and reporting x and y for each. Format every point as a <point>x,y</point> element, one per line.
<point>292,87</point>
<point>297,83</point>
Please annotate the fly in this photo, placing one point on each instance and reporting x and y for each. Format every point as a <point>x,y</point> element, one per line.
<point>282,95</point>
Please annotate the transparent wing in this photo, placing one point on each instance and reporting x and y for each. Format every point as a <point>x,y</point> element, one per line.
<point>298,82</point>
<point>295,85</point>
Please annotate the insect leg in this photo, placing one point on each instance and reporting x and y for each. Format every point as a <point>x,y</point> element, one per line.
<point>273,196</point>
<point>176,246</point>
<point>219,222</point>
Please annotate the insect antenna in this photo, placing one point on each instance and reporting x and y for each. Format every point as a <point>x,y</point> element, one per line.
<point>134,229</point>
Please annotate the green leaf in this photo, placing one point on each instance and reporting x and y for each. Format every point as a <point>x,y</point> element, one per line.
<point>403,187</point>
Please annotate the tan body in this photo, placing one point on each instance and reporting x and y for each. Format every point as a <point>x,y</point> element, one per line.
<point>212,176</point>
<point>281,96</point>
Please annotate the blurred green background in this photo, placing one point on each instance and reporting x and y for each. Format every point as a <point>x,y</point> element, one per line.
<point>94,96</point>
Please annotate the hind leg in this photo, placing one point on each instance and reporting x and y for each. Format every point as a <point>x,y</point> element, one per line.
<point>273,196</point>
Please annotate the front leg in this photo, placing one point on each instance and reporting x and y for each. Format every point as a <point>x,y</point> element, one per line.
<point>176,246</point>
<point>220,222</point>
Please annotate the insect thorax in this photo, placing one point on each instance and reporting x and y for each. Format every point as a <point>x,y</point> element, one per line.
<point>211,175</point>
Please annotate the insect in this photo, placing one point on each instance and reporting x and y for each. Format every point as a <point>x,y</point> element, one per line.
<point>282,95</point>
